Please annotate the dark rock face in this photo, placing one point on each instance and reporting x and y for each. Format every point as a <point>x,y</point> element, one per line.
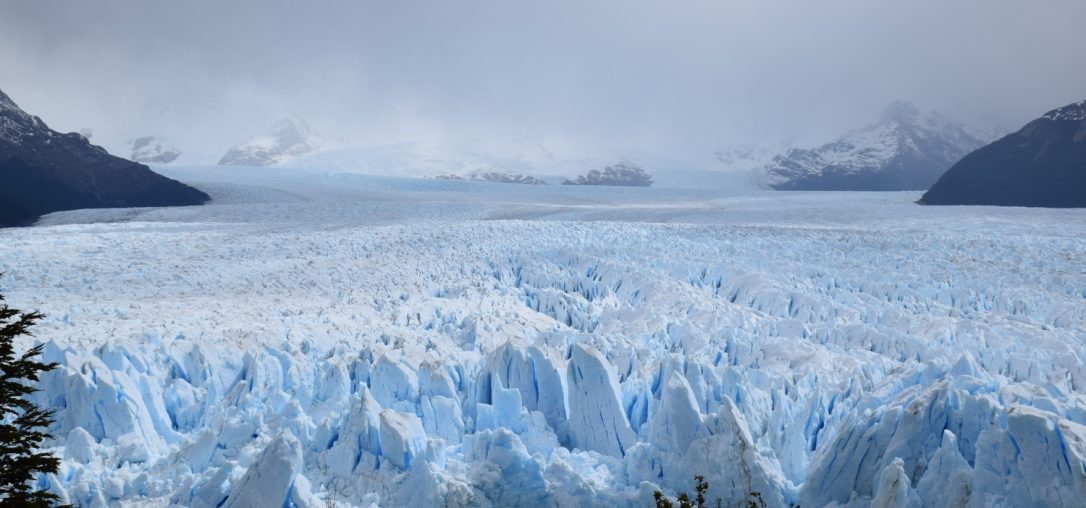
<point>43,171</point>
<point>1044,164</point>
<point>149,150</point>
<point>286,139</point>
<point>906,150</point>
<point>626,174</point>
<point>496,177</point>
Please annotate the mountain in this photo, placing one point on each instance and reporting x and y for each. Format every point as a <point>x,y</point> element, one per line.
<point>430,159</point>
<point>494,177</point>
<point>150,150</point>
<point>743,157</point>
<point>43,171</point>
<point>625,173</point>
<point>905,150</point>
<point>287,139</point>
<point>1043,164</point>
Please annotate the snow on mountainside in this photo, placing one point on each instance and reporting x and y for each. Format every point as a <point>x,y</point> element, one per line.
<point>744,157</point>
<point>287,139</point>
<point>905,150</point>
<point>1072,112</point>
<point>308,340</point>
<point>151,150</point>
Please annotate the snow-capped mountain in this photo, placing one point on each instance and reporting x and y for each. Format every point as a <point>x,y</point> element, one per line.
<point>905,150</point>
<point>744,157</point>
<point>151,150</point>
<point>1043,164</point>
<point>43,171</point>
<point>624,174</point>
<point>288,138</point>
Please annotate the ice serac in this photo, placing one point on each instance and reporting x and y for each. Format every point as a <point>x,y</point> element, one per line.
<point>507,473</point>
<point>596,419</point>
<point>947,479</point>
<point>44,171</point>
<point>270,480</point>
<point>1042,165</point>
<point>1036,459</point>
<point>960,446</point>
<point>532,372</point>
<point>402,437</point>
<point>905,150</point>
<point>894,489</point>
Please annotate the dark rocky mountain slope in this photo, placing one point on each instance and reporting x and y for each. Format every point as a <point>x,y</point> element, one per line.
<point>43,171</point>
<point>1044,164</point>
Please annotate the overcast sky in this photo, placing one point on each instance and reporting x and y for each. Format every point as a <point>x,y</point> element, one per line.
<point>691,74</point>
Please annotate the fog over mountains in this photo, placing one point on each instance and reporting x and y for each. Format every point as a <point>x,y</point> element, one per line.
<point>591,81</point>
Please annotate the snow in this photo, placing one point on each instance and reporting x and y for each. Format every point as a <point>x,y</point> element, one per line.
<point>288,138</point>
<point>313,337</point>
<point>1072,112</point>
<point>902,130</point>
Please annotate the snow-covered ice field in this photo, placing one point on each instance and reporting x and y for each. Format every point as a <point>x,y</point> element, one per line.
<point>315,339</point>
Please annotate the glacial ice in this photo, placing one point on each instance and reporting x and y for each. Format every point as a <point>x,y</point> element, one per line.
<point>368,347</point>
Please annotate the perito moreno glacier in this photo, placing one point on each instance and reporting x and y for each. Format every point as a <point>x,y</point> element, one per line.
<point>314,340</point>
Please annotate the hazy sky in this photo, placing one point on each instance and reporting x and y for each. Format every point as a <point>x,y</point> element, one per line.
<point>692,74</point>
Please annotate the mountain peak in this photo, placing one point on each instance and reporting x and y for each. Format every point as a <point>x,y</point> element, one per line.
<point>905,150</point>
<point>1070,112</point>
<point>6,102</point>
<point>900,110</point>
<point>286,139</point>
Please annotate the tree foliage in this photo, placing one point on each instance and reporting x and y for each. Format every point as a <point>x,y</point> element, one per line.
<point>754,499</point>
<point>22,424</point>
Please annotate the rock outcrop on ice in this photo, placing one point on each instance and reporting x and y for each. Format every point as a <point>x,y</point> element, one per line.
<point>905,150</point>
<point>43,171</point>
<point>625,174</point>
<point>151,150</point>
<point>287,139</point>
<point>494,177</point>
<point>1043,164</point>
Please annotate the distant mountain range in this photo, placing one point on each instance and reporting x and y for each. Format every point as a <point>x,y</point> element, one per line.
<point>905,150</point>
<point>1043,164</point>
<point>287,139</point>
<point>494,177</point>
<point>43,171</point>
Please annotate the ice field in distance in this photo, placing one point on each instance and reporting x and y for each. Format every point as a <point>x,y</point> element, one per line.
<point>312,339</point>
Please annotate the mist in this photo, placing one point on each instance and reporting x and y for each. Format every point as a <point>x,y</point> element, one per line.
<point>684,76</point>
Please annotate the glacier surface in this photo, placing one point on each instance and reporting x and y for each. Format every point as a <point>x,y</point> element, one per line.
<point>313,338</point>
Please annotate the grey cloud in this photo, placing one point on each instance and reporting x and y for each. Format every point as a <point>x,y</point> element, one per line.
<point>689,74</point>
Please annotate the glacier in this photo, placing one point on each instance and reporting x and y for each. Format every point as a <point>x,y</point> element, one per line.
<point>313,339</point>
